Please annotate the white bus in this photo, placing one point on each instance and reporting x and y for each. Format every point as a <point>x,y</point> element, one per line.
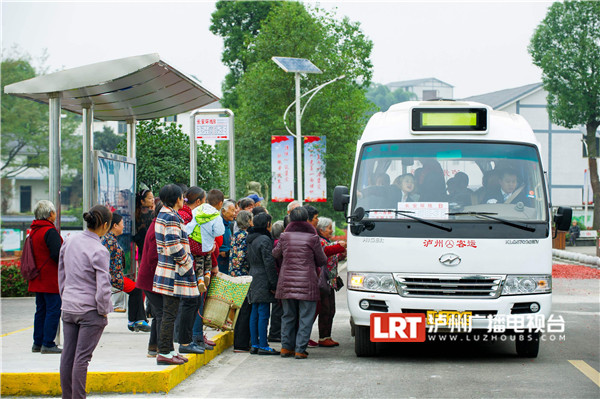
<point>449,212</point>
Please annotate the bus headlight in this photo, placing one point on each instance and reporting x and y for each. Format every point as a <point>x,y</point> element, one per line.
<point>376,282</point>
<point>534,284</point>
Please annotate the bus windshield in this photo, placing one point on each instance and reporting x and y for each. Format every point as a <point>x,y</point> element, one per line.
<point>450,181</point>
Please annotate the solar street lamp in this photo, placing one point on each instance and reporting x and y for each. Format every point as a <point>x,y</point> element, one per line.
<point>297,66</point>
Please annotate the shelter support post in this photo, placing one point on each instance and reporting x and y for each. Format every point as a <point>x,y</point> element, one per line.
<point>54,102</point>
<point>131,138</point>
<point>232,194</point>
<point>298,140</point>
<point>88,148</point>
<point>193,152</point>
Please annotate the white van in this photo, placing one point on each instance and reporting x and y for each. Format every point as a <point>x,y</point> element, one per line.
<point>448,212</point>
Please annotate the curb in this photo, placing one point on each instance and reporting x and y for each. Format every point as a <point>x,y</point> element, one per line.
<point>587,260</point>
<point>162,380</point>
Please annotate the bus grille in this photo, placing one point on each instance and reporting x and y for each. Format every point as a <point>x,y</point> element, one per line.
<point>448,285</point>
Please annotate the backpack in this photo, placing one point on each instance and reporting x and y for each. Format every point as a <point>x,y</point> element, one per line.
<point>29,271</point>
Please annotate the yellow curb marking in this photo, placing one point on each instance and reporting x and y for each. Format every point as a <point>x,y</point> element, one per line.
<point>22,329</point>
<point>161,380</point>
<point>587,370</point>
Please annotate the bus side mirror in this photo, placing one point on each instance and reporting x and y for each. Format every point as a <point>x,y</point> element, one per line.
<point>562,218</point>
<point>341,198</point>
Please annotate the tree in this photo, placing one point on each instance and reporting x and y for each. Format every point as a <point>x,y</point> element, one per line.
<point>238,23</point>
<point>383,97</point>
<point>163,157</point>
<point>337,47</point>
<point>566,46</point>
<point>25,124</point>
<point>107,140</point>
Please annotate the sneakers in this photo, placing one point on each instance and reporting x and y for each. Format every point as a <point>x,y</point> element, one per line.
<point>287,353</point>
<point>328,343</point>
<point>254,350</point>
<point>140,325</point>
<point>266,350</point>
<point>191,348</point>
<point>36,348</point>
<point>301,355</point>
<point>312,344</point>
<point>168,361</point>
<point>50,350</point>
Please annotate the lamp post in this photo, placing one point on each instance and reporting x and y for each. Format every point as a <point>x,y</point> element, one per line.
<point>298,66</point>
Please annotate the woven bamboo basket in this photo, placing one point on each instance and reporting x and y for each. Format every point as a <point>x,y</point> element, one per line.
<point>225,297</point>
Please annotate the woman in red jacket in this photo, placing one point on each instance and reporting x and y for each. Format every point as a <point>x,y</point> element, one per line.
<point>46,242</point>
<point>335,251</point>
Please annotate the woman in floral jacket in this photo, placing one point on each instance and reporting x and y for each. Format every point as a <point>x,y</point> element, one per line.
<point>136,313</point>
<point>238,266</point>
<point>335,252</point>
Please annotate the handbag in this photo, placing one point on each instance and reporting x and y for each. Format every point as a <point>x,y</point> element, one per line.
<point>339,283</point>
<point>324,287</point>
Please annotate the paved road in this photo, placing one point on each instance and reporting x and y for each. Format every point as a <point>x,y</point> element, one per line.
<point>457,369</point>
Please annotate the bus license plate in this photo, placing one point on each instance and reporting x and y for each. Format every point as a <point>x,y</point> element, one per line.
<point>447,318</point>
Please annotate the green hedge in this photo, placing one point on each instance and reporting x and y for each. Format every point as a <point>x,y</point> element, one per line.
<point>13,284</point>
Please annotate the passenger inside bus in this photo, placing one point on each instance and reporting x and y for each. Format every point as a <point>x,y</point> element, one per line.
<point>431,183</point>
<point>458,191</point>
<point>406,188</point>
<point>490,184</point>
<point>509,191</point>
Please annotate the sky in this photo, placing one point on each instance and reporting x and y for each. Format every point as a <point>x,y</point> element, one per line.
<point>476,46</point>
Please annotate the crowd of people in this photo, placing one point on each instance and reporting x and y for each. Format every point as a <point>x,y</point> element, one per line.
<point>184,239</point>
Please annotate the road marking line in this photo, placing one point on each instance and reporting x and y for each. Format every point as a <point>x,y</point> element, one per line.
<point>22,329</point>
<point>587,370</point>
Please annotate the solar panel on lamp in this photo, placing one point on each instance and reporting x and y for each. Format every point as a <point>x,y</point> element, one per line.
<point>300,65</point>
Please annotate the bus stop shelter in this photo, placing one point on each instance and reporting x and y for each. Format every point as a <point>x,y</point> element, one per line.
<point>128,89</point>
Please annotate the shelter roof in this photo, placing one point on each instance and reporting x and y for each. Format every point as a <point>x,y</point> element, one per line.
<point>502,98</point>
<point>139,87</point>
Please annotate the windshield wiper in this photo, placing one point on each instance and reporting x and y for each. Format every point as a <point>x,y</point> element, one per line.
<point>488,215</point>
<point>418,219</point>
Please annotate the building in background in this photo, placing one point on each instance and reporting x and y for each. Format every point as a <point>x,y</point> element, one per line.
<point>425,89</point>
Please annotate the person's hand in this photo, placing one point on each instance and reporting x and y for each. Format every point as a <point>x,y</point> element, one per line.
<point>272,292</point>
<point>223,254</point>
<point>342,243</point>
<point>214,270</point>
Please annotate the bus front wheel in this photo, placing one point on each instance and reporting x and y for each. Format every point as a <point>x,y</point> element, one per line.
<point>528,344</point>
<point>363,347</point>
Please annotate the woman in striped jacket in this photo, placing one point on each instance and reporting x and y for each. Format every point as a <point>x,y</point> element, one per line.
<point>174,277</point>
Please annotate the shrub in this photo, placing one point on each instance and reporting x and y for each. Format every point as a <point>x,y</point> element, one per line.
<point>13,284</point>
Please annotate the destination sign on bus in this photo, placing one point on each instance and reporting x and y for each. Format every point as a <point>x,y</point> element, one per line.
<point>471,120</point>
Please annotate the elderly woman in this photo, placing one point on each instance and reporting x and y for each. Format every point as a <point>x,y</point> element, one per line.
<point>301,254</point>
<point>46,242</point>
<point>335,251</point>
<point>84,282</point>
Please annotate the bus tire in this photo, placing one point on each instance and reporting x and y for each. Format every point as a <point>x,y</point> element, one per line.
<point>363,347</point>
<point>528,344</point>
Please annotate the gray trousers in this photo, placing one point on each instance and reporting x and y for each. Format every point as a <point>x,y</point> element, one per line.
<point>82,333</point>
<point>296,324</point>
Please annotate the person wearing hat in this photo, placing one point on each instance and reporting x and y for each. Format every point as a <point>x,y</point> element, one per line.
<point>256,199</point>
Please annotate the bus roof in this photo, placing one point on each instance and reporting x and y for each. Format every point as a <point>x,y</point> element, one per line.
<point>395,124</point>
